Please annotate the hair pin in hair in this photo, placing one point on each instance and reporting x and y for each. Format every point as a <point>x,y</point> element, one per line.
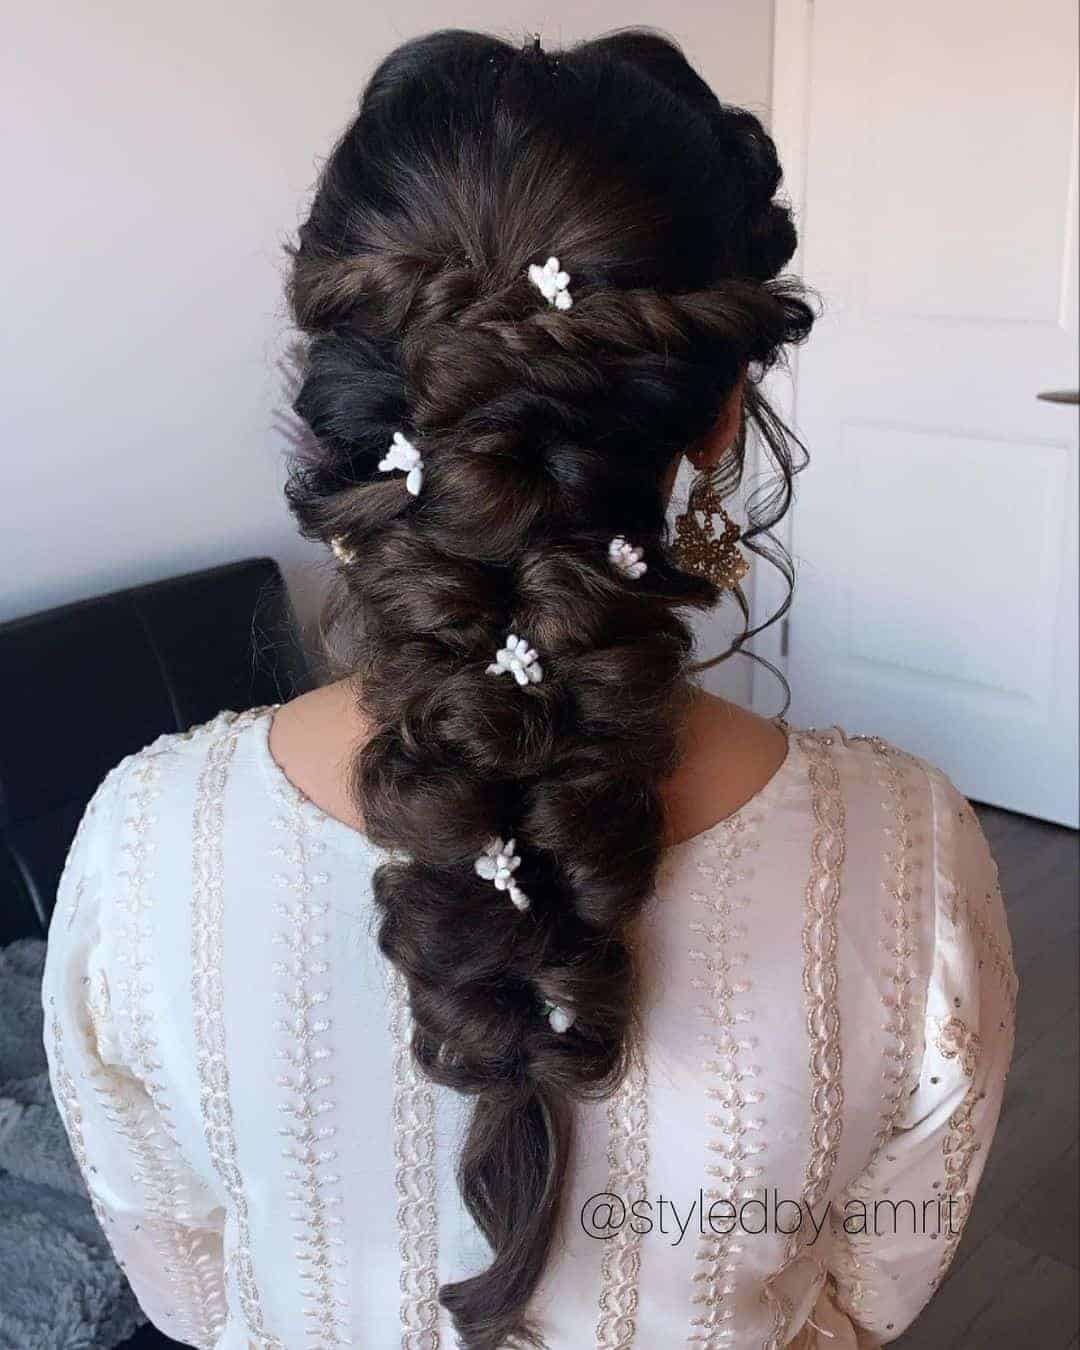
<point>552,283</point>
<point>519,659</point>
<point>561,1019</point>
<point>405,456</point>
<point>340,551</point>
<point>626,558</point>
<point>497,864</point>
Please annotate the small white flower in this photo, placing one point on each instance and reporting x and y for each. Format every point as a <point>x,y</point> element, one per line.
<point>405,456</point>
<point>552,283</point>
<point>497,864</point>
<point>340,551</point>
<point>627,558</point>
<point>518,658</point>
<point>561,1019</point>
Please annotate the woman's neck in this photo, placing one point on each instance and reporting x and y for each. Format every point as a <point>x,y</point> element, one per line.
<point>729,755</point>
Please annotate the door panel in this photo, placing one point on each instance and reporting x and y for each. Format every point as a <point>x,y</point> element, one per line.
<point>935,531</point>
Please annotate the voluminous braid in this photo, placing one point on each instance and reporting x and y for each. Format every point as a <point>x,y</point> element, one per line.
<point>544,434</point>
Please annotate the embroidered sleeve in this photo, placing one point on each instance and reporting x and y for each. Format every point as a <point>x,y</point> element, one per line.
<point>905,1215</point>
<point>162,1224</point>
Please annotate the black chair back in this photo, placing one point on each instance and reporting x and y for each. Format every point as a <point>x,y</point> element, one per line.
<point>84,685</point>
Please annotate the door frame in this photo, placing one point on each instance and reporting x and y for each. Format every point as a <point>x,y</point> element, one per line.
<point>788,123</point>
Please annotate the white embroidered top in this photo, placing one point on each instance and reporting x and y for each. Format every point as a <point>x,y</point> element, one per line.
<point>828,1019</point>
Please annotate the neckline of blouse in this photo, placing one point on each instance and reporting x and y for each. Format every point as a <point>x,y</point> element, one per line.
<point>350,838</point>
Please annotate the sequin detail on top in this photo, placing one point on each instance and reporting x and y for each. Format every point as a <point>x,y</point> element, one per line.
<point>628,1164</point>
<point>956,1040</point>
<point>78,891</point>
<point>199,1308</point>
<point>984,918</point>
<point>781,1312</point>
<point>199,1305</point>
<point>976,913</point>
<point>208,1006</point>
<point>305,1053</point>
<point>75,857</point>
<point>72,1113</point>
<point>414,1181</point>
<point>729,1073</point>
<point>959,1148</point>
<point>190,1256</point>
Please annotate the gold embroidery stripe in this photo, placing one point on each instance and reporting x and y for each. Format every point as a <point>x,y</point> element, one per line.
<point>820,966</point>
<point>208,1007</point>
<point>628,1161</point>
<point>71,1110</point>
<point>996,952</point>
<point>899,943</point>
<point>414,1181</point>
<point>957,1040</point>
<point>171,1240</point>
<point>199,1306</point>
<point>307,1054</point>
<point>728,1076</point>
<point>181,1251</point>
<point>75,856</point>
<point>820,980</point>
<point>896,999</point>
<point>958,1151</point>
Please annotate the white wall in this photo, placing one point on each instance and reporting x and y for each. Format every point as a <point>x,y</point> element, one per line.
<point>160,156</point>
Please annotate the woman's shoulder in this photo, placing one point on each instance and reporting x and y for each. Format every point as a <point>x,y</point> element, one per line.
<point>869,755</point>
<point>149,792</point>
<point>928,817</point>
<point>738,762</point>
<point>177,760</point>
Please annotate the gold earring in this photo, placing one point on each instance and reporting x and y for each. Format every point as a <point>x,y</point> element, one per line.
<point>696,546</point>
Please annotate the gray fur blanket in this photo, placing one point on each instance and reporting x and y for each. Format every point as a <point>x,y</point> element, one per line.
<point>61,1287</point>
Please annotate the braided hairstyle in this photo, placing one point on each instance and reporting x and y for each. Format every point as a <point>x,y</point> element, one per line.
<point>544,433</point>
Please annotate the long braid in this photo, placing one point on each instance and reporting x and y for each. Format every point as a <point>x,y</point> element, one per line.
<point>544,434</point>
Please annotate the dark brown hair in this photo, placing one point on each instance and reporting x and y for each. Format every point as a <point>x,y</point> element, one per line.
<point>544,433</point>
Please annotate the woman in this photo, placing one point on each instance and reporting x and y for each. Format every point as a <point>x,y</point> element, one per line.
<point>510,989</point>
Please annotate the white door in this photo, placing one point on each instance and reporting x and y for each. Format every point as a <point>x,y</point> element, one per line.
<point>931,152</point>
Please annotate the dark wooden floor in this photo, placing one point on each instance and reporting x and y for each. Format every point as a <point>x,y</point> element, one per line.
<point>1014,1280</point>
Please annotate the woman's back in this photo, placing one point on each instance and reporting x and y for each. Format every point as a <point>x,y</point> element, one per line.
<point>826,996</point>
<point>330,1093</point>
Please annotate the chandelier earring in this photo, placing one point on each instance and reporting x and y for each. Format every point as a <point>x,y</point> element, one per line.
<point>697,546</point>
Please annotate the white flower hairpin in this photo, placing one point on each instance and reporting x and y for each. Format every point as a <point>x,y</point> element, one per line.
<point>519,659</point>
<point>405,456</point>
<point>627,558</point>
<point>561,1019</point>
<point>552,283</point>
<point>497,864</point>
<point>340,551</point>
